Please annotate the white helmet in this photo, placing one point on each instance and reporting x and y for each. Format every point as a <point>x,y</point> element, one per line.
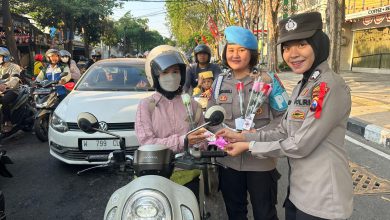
<point>159,59</point>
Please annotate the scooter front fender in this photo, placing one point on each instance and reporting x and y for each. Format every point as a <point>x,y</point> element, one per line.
<point>175,194</point>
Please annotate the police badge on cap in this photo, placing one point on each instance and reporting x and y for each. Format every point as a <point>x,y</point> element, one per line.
<point>300,26</point>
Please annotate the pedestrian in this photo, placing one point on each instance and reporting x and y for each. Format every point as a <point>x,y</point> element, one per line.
<point>202,63</point>
<point>9,74</point>
<point>311,134</point>
<point>162,118</point>
<point>244,173</point>
<point>66,58</point>
<point>38,64</point>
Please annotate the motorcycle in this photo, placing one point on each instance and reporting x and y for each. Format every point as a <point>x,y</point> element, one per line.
<point>22,112</point>
<point>152,195</point>
<point>5,173</point>
<point>46,100</point>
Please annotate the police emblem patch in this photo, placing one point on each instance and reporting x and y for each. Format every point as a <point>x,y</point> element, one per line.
<point>223,98</point>
<point>259,111</point>
<point>298,114</point>
<point>291,25</point>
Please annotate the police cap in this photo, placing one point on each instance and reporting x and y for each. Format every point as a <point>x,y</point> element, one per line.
<point>300,26</point>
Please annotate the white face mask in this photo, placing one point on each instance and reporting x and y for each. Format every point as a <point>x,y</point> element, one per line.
<point>170,82</point>
<point>64,59</point>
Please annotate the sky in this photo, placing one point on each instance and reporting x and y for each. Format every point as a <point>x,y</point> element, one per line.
<point>154,11</point>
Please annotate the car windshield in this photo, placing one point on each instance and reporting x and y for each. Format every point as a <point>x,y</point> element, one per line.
<point>114,77</point>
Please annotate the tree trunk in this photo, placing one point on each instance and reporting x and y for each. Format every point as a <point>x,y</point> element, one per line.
<point>9,31</point>
<point>86,43</point>
<point>335,16</point>
<point>272,9</point>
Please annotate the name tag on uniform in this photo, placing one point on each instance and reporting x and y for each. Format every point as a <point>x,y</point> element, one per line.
<point>225,91</point>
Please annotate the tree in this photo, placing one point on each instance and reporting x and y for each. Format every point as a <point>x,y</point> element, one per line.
<point>272,10</point>
<point>334,17</point>
<point>9,30</point>
<point>186,18</point>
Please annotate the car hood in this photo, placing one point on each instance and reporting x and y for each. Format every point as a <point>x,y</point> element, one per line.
<point>108,106</point>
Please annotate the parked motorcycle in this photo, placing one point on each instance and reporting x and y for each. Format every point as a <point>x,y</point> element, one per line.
<point>46,100</point>
<point>22,112</point>
<point>5,173</point>
<point>152,195</point>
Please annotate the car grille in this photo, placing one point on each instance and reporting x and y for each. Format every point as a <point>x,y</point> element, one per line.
<point>111,126</point>
<point>76,154</point>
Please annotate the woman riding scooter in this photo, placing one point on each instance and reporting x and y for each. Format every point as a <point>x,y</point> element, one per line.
<point>162,117</point>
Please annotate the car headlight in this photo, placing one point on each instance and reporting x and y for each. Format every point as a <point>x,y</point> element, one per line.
<point>58,124</point>
<point>147,205</point>
<point>111,214</point>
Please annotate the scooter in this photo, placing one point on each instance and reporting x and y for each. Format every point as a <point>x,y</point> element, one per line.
<point>152,195</point>
<point>5,173</point>
<point>22,113</point>
<point>46,100</point>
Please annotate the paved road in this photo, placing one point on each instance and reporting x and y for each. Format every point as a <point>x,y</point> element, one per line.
<point>44,188</point>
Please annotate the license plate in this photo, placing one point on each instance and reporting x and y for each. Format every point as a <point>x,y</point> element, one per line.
<point>100,144</point>
<point>42,91</point>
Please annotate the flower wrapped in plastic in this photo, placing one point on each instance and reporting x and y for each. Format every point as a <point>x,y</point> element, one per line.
<point>260,93</point>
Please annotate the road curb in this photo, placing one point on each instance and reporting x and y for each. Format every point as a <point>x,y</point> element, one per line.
<point>369,131</point>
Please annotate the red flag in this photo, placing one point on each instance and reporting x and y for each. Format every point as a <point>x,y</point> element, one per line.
<point>204,39</point>
<point>213,27</point>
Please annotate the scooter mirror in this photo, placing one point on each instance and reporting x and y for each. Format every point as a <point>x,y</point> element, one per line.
<point>215,115</point>
<point>87,122</point>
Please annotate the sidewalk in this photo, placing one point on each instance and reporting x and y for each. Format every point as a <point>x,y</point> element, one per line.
<point>370,114</point>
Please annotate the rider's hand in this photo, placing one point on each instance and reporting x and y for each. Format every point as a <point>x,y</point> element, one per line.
<point>230,135</point>
<point>200,81</point>
<point>62,81</point>
<point>197,136</point>
<point>3,87</point>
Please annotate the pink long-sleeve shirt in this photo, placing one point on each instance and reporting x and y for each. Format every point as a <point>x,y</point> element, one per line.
<point>165,123</point>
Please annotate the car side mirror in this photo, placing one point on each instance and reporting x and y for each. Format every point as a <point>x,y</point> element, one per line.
<point>87,122</point>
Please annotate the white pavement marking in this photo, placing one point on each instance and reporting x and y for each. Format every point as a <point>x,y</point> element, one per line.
<point>380,153</point>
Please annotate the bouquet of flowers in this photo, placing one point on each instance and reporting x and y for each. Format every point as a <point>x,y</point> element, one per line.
<point>260,92</point>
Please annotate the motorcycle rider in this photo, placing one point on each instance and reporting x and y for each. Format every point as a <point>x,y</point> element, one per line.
<point>66,58</point>
<point>54,70</point>
<point>9,89</point>
<point>162,118</point>
<point>202,63</point>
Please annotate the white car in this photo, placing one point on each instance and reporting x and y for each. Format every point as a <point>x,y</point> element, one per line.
<point>111,90</point>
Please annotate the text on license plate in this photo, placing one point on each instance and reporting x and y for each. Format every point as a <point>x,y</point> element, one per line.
<point>100,144</point>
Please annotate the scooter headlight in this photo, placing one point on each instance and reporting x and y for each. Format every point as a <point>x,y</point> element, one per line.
<point>147,205</point>
<point>58,124</point>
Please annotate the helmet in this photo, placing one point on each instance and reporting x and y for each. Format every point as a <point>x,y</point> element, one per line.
<point>51,52</point>
<point>202,48</point>
<point>65,53</point>
<point>38,57</point>
<point>159,59</point>
<point>5,53</point>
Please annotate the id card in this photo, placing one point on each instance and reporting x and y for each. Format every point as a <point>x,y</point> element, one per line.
<point>248,122</point>
<point>239,123</point>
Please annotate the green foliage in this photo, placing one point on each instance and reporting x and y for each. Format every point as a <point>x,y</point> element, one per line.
<point>187,19</point>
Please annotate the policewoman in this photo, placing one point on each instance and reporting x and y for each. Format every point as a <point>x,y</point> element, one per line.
<point>311,134</point>
<point>244,173</point>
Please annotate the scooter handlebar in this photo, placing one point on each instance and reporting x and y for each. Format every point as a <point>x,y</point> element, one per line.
<point>208,154</point>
